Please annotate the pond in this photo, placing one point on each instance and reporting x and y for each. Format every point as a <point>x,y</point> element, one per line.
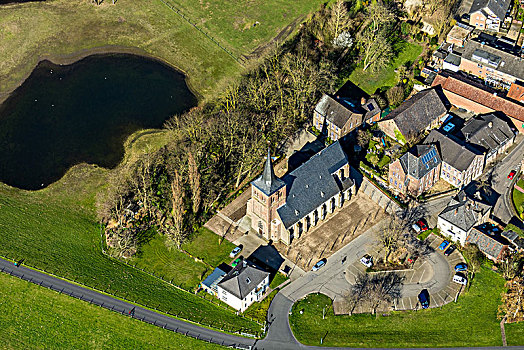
<point>65,115</point>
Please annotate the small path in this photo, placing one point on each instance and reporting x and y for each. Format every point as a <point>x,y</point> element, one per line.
<point>503,332</point>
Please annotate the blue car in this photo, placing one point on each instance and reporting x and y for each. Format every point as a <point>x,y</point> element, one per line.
<point>443,245</point>
<point>423,298</point>
<point>461,267</point>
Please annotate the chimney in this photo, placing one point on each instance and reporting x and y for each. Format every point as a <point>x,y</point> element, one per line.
<point>490,124</point>
<point>363,100</point>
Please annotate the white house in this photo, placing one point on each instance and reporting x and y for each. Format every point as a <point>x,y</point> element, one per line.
<point>460,216</point>
<point>242,286</point>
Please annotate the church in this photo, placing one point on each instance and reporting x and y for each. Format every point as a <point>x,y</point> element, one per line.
<point>282,209</point>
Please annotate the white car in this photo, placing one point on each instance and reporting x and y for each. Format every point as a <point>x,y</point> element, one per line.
<point>319,265</point>
<point>367,260</point>
<point>460,279</point>
<point>235,251</point>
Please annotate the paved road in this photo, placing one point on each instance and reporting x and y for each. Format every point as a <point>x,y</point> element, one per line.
<point>501,184</point>
<point>123,307</point>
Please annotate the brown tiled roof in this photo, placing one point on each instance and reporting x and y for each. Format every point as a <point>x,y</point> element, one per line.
<point>481,96</point>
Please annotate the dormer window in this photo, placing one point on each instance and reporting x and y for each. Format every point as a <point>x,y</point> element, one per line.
<point>248,281</point>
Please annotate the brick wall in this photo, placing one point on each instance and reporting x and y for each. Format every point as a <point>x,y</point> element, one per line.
<point>483,71</point>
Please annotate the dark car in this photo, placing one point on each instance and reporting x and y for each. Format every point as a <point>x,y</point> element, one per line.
<point>423,298</point>
<point>450,250</point>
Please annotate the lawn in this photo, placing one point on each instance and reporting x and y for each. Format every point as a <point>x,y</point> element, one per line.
<point>258,311</point>
<point>370,82</point>
<point>470,322</point>
<point>278,280</point>
<point>33,317</point>
<point>206,246</point>
<point>55,229</point>
<point>59,28</point>
<point>518,198</point>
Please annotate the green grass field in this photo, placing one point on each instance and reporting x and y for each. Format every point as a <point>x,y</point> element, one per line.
<point>55,229</point>
<point>33,317</point>
<point>63,27</point>
<point>470,322</point>
<point>518,198</point>
<point>370,82</point>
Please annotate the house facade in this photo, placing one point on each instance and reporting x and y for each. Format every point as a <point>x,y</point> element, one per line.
<point>490,134</point>
<point>283,209</point>
<point>416,171</point>
<point>336,117</point>
<point>420,113</point>
<point>460,163</point>
<point>460,216</point>
<point>243,286</point>
<point>488,14</point>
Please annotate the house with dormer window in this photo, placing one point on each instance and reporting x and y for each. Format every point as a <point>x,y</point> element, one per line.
<point>336,117</point>
<point>283,209</point>
<point>488,14</point>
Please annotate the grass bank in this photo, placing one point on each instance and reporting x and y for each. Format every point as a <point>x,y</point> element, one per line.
<point>33,317</point>
<point>518,198</point>
<point>470,322</point>
<point>64,30</point>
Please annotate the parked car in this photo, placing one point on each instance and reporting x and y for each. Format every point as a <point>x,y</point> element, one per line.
<point>367,260</point>
<point>420,226</point>
<point>443,245</point>
<point>412,259</point>
<point>450,250</point>
<point>461,267</point>
<point>235,251</point>
<point>319,265</point>
<point>460,279</point>
<point>423,298</point>
<point>511,174</point>
<point>236,262</point>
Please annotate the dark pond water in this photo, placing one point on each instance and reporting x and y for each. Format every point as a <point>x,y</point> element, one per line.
<point>65,115</point>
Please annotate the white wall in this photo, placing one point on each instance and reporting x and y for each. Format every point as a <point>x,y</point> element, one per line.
<point>451,231</point>
<point>243,304</point>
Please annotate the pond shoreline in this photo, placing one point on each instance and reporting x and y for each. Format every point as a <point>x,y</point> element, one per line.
<point>68,59</point>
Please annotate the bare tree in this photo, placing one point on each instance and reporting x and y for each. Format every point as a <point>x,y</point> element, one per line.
<point>389,237</point>
<point>363,138</point>
<point>338,18</point>
<point>177,210</point>
<point>512,307</point>
<point>194,182</point>
<point>395,95</point>
<point>374,290</point>
<point>474,257</point>
<point>375,49</point>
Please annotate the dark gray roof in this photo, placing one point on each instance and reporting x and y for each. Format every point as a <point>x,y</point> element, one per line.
<point>268,182</point>
<point>488,244</point>
<point>493,57</point>
<point>498,7</point>
<point>336,111</point>
<point>452,151</point>
<point>371,107</point>
<point>514,238</point>
<point>420,160</point>
<point>453,59</point>
<point>464,212</point>
<point>417,113</point>
<point>488,132</point>
<point>242,279</point>
<point>312,184</point>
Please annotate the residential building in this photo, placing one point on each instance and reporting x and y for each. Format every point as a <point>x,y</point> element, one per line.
<point>474,96</point>
<point>452,62</point>
<point>460,163</point>
<point>281,209</point>
<point>490,134</point>
<point>458,34</point>
<point>243,285</point>
<point>460,216</point>
<point>497,65</point>
<point>416,115</point>
<point>211,281</point>
<point>493,245</point>
<point>516,242</point>
<point>416,171</point>
<point>336,117</point>
<point>488,14</point>
<point>372,109</point>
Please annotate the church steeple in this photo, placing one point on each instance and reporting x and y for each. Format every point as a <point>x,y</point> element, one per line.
<point>268,182</point>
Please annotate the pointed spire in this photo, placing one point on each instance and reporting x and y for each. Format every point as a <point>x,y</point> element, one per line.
<point>268,176</point>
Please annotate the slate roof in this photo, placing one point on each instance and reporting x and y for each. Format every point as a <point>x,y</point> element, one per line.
<point>371,107</point>
<point>420,160</point>
<point>514,238</point>
<point>213,278</point>
<point>491,245</point>
<point>452,151</point>
<point>464,212</point>
<point>501,60</point>
<point>416,114</point>
<point>312,184</point>
<point>498,7</point>
<point>335,110</point>
<point>470,90</point>
<point>242,280</point>
<point>478,132</point>
<point>268,182</point>
<point>453,59</point>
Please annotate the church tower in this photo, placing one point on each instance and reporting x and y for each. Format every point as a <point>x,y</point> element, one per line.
<point>268,193</point>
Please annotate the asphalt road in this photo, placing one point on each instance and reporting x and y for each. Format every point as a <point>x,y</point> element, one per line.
<point>123,307</point>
